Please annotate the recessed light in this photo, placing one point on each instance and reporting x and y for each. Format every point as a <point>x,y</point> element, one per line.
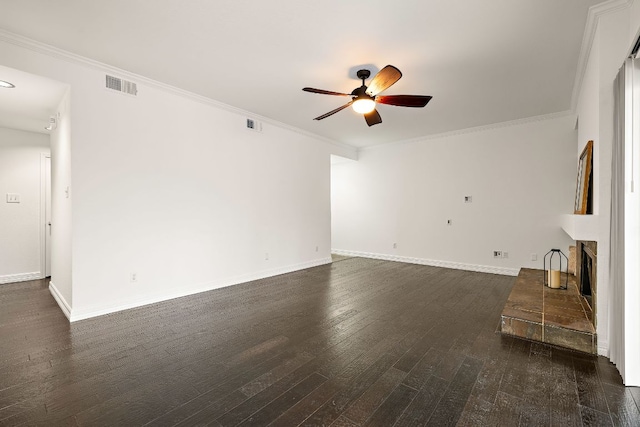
<point>6,84</point>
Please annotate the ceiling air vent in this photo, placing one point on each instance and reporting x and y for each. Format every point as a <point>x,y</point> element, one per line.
<point>123,86</point>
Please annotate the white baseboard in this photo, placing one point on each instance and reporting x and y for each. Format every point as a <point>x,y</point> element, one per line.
<point>603,348</point>
<point>62,302</point>
<point>182,291</point>
<point>434,263</point>
<point>22,277</point>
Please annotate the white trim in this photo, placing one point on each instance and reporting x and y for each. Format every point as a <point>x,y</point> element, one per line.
<point>587,41</point>
<point>43,212</point>
<point>183,291</point>
<point>46,272</point>
<point>434,263</point>
<point>580,227</point>
<point>476,129</point>
<point>603,348</point>
<point>21,277</point>
<point>62,303</point>
<point>43,227</point>
<point>73,58</point>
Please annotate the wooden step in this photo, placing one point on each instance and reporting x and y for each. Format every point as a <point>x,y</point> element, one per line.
<point>553,316</point>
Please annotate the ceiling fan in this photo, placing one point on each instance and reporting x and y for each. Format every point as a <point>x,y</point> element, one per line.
<point>364,99</point>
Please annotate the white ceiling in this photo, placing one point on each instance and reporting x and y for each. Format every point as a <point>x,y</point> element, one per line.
<point>483,62</point>
<point>30,104</point>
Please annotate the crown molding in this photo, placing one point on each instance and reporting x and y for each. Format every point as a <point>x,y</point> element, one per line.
<point>477,129</point>
<point>593,16</point>
<point>52,51</point>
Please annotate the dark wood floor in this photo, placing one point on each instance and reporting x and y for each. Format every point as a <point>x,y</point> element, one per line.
<point>357,343</point>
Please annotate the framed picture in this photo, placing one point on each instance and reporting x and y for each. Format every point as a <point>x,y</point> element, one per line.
<point>584,176</point>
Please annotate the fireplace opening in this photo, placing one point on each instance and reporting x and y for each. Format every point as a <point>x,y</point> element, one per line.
<point>585,278</point>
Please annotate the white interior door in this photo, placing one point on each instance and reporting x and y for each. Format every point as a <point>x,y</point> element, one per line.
<point>47,217</point>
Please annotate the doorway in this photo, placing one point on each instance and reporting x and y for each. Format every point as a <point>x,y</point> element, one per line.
<point>30,112</point>
<point>46,214</point>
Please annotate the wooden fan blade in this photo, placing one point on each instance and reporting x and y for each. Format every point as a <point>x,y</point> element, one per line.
<point>404,100</point>
<point>332,112</point>
<point>383,80</point>
<point>373,118</point>
<point>324,92</point>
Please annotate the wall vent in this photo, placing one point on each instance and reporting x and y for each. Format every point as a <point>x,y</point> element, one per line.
<point>123,86</point>
<point>254,125</point>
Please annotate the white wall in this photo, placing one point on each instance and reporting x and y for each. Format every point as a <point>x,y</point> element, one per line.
<point>61,208</point>
<point>521,178</point>
<point>183,195</point>
<point>175,189</point>
<point>21,223</point>
<point>616,32</point>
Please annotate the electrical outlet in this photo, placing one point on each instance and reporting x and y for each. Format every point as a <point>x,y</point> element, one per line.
<point>395,246</point>
<point>449,222</point>
<point>13,198</point>
<point>316,249</point>
<point>133,277</point>
<point>468,199</point>
<point>505,254</point>
<point>266,256</point>
<point>534,257</point>
<point>497,254</point>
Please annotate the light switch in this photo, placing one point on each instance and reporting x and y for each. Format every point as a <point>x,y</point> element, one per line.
<point>13,198</point>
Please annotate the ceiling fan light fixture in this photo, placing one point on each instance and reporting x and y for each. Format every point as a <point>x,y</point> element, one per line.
<point>364,99</point>
<point>363,105</point>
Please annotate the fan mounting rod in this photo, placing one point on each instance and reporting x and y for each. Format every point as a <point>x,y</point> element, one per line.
<point>363,75</point>
<point>360,92</point>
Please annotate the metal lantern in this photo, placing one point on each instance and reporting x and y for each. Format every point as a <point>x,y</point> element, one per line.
<point>551,276</point>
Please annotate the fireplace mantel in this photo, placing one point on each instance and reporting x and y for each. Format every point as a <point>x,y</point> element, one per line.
<point>580,227</point>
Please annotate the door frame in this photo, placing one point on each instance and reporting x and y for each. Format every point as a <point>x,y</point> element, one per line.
<point>45,180</point>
